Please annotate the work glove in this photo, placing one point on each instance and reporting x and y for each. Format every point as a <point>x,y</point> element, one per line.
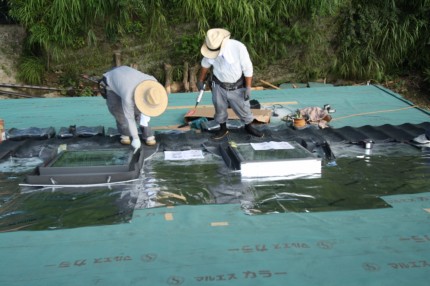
<point>136,145</point>
<point>200,85</point>
<point>247,93</point>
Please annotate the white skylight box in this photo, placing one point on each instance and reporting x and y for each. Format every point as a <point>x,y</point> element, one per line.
<point>271,159</point>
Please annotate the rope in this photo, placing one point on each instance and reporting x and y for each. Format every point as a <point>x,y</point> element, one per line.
<point>374,112</point>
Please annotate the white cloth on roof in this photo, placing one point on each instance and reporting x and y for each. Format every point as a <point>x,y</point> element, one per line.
<point>422,139</point>
<point>315,115</point>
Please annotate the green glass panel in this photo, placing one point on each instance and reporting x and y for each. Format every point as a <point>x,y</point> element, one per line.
<point>92,158</point>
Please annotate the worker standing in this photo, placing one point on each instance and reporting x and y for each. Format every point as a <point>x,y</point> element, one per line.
<point>231,79</point>
<point>133,98</point>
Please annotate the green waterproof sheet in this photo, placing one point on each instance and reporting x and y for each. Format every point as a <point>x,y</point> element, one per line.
<point>200,245</point>
<point>355,106</point>
<point>218,244</point>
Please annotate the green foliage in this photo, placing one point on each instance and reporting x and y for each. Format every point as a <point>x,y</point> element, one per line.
<point>5,70</point>
<point>371,40</point>
<point>4,13</point>
<point>61,24</point>
<point>187,48</point>
<point>177,73</point>
<point>375,38</point>
<point>68,80</point>
<point>86,91</point>
<point>427,76</point>
<point>267,27</point>
<point>74,85</point>
<point>31,70</point>
<point>156,17</point>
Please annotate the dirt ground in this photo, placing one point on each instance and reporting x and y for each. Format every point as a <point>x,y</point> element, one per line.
<point>411,88</point>
<point>11,39</point>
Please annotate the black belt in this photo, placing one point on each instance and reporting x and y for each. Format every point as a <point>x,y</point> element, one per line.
<point>230,86</point>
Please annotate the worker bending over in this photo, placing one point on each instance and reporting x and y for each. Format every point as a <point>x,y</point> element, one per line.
<point>133,98</point>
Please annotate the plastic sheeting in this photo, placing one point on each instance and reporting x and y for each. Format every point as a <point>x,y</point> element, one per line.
<point>59,208</point>
<point>352,178</point>
<point>218,244</point>
<point>46,133</point>
<point>37,208</point>
<point>88,167</point>
<point>32,132</point>
<point>49,208</point>
<point>355,180</point>
<point>80,131</point>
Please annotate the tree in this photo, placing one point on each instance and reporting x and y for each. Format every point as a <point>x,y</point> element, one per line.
<point>55,25</point>
<point>377,37</point>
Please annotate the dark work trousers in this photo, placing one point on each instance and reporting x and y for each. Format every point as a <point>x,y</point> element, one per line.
<point>114,105</point>
<point>222,98</point>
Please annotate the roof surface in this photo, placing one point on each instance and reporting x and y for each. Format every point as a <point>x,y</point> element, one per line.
<point>218,244</point>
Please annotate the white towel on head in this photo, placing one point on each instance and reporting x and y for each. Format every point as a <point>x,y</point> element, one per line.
<point>227,54</point>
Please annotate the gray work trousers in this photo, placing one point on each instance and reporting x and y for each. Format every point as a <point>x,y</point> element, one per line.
<point>221,100</point>
<point>114,105</point>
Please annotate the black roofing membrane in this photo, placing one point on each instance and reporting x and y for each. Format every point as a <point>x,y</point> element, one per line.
<point>353,177</point>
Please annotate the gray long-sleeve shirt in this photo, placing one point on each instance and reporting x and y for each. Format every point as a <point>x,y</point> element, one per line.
<point>123,81</point>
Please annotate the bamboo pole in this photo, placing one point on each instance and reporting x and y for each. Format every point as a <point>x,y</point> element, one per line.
<point>117,59</point>
<point>186,77</point>
<point>168,72</point>
<point>193,78</point>
<point>16,94</point>
<point>12,85</point>
<point>269,84</point>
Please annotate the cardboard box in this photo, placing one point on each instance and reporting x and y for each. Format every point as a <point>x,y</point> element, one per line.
<point>260,115</point>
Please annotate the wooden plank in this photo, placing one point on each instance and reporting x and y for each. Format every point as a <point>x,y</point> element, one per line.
<point>210,105</point>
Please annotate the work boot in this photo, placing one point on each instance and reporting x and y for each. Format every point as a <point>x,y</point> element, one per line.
<point>254,132</point>
<point>150,141</point>
<point>125,140</point>
<point>147,135</point>
<point>221,133</point>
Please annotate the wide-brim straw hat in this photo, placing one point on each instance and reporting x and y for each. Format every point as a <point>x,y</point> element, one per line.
<point>150,98</point>
<point>214,42</point>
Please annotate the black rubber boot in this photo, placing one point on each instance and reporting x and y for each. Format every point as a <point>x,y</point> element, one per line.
<point>221,133</point>
<point>254,132</point>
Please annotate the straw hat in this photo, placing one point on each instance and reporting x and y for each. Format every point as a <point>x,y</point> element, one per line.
<point>150,98</point>
<point>215,40</point>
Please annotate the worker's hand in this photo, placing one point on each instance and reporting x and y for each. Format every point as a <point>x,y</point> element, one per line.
<point>136,144</point>
<point>247,93</point>
<point>200,85</point>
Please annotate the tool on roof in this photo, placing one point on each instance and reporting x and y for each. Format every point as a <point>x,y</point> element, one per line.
<point>196,123</point>
<point>328,108</point>
<point>199,97</point>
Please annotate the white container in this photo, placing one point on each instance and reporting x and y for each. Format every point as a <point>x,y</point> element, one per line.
<point>368,144</point>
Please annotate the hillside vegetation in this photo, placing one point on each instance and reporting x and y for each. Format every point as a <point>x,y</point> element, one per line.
<point>386,41</point>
